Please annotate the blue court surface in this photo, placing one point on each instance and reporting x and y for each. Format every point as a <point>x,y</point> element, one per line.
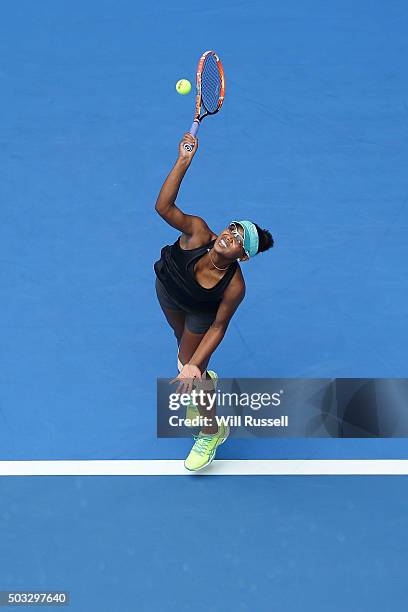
<point>312,143</point>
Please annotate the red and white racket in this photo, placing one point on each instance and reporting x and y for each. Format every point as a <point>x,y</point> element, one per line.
<point>210,84</point>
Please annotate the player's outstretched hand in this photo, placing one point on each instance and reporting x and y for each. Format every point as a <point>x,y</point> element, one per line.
<point>185,379</point>
<point>188,139</point>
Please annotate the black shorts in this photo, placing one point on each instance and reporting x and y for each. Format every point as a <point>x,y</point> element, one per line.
<point>197,323</point>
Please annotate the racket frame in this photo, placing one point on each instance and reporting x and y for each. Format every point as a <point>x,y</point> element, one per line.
<point>197,116</point>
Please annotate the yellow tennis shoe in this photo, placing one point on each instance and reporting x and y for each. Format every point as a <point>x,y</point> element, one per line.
<point>204,448</point>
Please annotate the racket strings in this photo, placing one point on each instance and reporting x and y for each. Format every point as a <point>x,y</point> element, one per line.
<point>210,84</point>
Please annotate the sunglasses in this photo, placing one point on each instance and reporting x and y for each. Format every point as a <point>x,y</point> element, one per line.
<point>233,228</point>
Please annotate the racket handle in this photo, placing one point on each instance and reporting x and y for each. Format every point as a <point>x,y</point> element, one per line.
<point>193,131</point>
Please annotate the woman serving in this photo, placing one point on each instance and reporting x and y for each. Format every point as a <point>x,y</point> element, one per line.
<point>199,285</point>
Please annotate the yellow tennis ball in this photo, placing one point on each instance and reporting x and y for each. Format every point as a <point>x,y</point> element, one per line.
<point>183,87</point>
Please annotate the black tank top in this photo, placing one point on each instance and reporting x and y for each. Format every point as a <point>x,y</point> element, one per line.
<point>175,269</point>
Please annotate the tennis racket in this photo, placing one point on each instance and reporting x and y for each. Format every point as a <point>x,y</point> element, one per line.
<point>210,84</point>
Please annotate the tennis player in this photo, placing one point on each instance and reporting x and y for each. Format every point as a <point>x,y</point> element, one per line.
<point>199,285</point>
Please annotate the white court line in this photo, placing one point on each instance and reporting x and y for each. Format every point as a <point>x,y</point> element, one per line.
<point>291,467</point>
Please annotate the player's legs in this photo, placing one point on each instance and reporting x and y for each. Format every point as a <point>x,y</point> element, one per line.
<point>196,326</point>
<point>211,435</point>
<point>176,320</point>
<point>188,346</point>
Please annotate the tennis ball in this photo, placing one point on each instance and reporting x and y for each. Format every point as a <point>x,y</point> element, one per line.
<point>183,87</point>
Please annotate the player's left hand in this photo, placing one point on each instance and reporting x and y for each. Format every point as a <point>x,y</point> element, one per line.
<point>186,378</point>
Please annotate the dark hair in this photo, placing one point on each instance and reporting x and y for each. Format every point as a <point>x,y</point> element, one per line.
<point>265,239</point>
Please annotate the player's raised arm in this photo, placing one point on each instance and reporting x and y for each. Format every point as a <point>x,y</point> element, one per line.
<point>166,201</point>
